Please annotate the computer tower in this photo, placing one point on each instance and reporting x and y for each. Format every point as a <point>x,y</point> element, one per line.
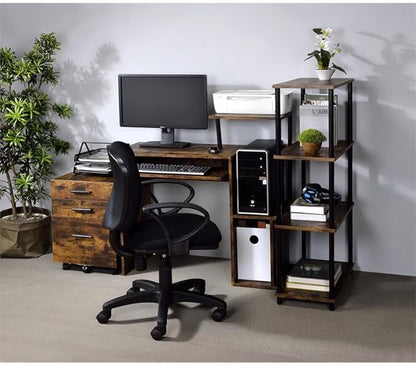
<point>255,187</point>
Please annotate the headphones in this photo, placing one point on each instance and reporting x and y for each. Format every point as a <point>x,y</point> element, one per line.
<point>314,193</point>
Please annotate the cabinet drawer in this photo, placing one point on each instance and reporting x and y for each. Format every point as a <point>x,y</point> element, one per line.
<point>80,190</point>
<point>87,210</point>
<point>77,242</point>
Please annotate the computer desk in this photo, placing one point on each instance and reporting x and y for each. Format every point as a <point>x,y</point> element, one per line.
<point>79,201</point>
<point>223,165</point>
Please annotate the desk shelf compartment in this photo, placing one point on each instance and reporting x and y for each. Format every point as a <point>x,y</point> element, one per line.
<point>252,253</point>
<point>250,117</point>
<point>218,171</point>
<point>196,154</point>
<point>341,212</point>
<point>316,296</point>
<point>338,213</point>
<point>249,220</point>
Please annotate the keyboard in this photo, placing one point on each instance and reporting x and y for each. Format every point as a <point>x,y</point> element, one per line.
<point>172,169</point>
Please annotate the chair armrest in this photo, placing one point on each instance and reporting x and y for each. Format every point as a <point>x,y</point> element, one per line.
<point>115,241</point>
<point>191,192</point>
<point>150,208</point>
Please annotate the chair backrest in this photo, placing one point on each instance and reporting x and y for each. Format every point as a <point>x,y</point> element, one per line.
<point>125,200</point>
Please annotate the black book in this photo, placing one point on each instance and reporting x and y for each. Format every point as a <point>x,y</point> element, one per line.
<point>313,271</point>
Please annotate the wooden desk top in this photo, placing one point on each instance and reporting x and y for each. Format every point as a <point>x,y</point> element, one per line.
<point>195,151</point>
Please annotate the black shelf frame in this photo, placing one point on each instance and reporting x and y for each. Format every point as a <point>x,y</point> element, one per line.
<point>282,201</point>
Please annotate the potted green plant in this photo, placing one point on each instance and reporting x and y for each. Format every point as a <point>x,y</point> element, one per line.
<point>311,140</point>
<point>326,51</point>
<point>28,145</point>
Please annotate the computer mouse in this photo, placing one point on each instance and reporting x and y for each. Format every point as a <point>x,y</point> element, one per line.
<point>213,150</point>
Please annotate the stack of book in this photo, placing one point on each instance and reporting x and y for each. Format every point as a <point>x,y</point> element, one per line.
<point>301,210</point>
<point>312,274</point>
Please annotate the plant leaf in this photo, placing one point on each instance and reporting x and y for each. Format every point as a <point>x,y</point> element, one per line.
<point>338,68</point>
<point>312,54</point>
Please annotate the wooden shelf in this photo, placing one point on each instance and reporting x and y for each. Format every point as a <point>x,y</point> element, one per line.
<point>254,217</point>
<point>317,296</point>
<point>314,83</point>
<point>342,209</point>
<point>254,284</point>
<point>295,152</point>
<point>194,152</point>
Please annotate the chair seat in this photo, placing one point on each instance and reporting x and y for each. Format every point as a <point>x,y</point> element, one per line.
<point>148,236</point>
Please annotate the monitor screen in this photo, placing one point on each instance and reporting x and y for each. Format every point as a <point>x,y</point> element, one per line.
<point>163,101</point>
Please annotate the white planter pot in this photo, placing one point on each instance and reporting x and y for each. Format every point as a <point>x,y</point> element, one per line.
<point>324,74</point>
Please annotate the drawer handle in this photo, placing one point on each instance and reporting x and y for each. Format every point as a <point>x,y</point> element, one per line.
<point>80,191</point>
<point>82,236</point>
<point>82,210</point>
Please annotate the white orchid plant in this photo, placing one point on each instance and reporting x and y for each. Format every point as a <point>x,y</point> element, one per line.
<point>326,50</point>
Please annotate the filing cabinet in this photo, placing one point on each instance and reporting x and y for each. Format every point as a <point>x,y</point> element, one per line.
<point>78,238</point>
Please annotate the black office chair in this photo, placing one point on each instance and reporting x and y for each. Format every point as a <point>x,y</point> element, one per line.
<point>161,232</point>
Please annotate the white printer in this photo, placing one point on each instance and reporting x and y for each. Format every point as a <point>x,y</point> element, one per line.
<point>251,101</point>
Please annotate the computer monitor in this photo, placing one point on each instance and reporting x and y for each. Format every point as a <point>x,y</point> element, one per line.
<point>163,101</point>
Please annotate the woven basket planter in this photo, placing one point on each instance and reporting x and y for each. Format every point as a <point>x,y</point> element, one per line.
<point>310,148</point>
<point>25,238</point>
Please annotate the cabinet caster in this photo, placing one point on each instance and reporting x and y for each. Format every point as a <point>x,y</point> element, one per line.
<point>331,307</point>
<point>219,314</point>
<point>279,301</point>
<point>103,316</point>
<point>86,269</point>
<point>158,332</point>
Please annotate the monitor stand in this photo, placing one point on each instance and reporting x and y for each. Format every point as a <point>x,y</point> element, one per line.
<point>167,140</point>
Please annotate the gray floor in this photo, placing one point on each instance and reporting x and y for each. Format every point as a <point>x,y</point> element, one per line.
<point>47,314</point>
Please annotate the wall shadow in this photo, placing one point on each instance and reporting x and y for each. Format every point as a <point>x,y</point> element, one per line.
<point>384,153</point>
<point>86,89</point>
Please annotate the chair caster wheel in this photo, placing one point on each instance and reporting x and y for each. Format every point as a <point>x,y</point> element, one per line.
<point>279,301</point>
<point>331,307</point>
<point>103,316</point>
<point>219,314</point>
<point>158,332</point>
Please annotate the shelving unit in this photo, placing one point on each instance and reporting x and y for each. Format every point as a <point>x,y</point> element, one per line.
<point>249,220</point>
<point>338,213</point>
